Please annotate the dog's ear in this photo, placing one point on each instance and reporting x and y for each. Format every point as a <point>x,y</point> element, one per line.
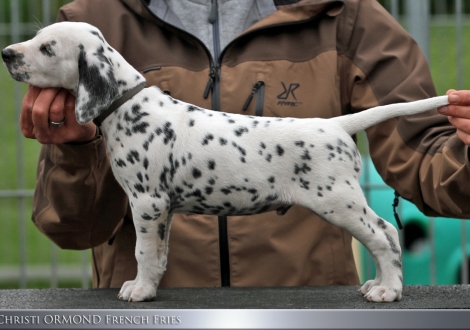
<point>97,87</point>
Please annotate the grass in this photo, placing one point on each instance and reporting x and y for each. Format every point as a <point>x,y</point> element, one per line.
<point>443,59</point>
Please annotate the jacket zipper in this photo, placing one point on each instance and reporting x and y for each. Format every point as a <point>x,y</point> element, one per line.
<point>214,84</point>
<point>258,90</point>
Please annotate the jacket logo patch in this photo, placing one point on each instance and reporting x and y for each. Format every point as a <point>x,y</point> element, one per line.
<point>287,97</point>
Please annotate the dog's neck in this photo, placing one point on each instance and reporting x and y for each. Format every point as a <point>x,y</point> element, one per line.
<point>117,103</point>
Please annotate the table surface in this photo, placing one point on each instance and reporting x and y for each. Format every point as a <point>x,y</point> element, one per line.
<point>333,297</point>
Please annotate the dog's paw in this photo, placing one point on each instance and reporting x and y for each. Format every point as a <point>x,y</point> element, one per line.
<point>383,294</point>
<point>134,291</point>
<point>368,285</point>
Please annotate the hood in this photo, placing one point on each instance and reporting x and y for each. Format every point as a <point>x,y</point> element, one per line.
<point>287,10</point>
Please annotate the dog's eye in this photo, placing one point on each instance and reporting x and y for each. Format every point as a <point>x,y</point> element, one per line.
<point>46,49</point>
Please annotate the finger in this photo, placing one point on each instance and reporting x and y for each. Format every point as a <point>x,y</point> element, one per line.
<point>69,110</point>
<point>461,97</point>
<point>450,91</point>
<point>26,122</point>
<point>464,137</point>
<point>462,124</point>
<point>72,131</point>
<point>40,113</point>
<point>56,111</point>
<point>456,111</point>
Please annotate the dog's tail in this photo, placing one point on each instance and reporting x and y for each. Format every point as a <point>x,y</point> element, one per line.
<point>359,121</point>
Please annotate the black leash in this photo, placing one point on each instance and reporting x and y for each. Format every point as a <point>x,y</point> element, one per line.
<point>395,205</point>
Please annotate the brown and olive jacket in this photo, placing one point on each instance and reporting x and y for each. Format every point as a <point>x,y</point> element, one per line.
<point>317,58</point>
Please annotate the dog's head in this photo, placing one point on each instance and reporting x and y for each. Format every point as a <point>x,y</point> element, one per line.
<point>74,56</point>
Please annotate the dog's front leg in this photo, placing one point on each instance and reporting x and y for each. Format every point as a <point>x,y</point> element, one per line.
<point>152,223</point>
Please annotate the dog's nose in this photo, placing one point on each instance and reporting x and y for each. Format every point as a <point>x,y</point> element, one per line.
<point>8,54</point>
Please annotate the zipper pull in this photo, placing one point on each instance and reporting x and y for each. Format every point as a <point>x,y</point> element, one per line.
<point>210,83</point>
<point>255,88</point>
<point>213,12</point>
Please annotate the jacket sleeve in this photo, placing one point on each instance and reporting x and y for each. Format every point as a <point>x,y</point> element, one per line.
<point>420,156</point>
<point>77,202</point>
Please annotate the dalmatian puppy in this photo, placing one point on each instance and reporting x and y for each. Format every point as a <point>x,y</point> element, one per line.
<point>174,157</point>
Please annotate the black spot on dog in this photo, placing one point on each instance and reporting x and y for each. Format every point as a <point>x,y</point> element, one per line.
<point>120,162</point>
<point>393,245</point>
<point>271,179</point>
<point>169,133</point>
<point>192,108</point>
<point>211,164</point>
<point>139,188</point>
<point>161,231</point>
<point>397,263</point>
<point>191,123</point>
<point>207,138</point>
<point>304,169</point>
<point>381,223</point>
<point>306,155</point>
<point>95,33</point>
<point>222,141</point>
<point>299,143</point>
<point>140,128</point>
<point>279,150</point>
<point>304,184</point>
<point>211,181</point>
<point>196,173</point>
<point>239,131</point>
<point>133,156</point>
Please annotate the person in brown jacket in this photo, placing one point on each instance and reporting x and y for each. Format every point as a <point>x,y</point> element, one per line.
<point>282,58</point>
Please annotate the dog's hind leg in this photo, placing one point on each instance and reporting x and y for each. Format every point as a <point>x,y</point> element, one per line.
<point>152,223</point>
<point>344,205</point>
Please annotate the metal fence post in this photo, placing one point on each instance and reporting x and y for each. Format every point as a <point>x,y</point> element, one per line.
<point>15,33</point>
<point>459,38</point>
<point>417,21</point>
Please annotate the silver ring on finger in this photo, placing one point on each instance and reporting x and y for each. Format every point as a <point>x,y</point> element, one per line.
<point>56,124</point>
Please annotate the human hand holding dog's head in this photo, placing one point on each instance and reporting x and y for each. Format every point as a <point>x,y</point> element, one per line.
<point>458,113</point>
<point>41,106</point>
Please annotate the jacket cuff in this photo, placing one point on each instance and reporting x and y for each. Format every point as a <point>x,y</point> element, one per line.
<point>78,155</point>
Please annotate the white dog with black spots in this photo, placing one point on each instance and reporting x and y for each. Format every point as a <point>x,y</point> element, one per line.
<point>173,157</point>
